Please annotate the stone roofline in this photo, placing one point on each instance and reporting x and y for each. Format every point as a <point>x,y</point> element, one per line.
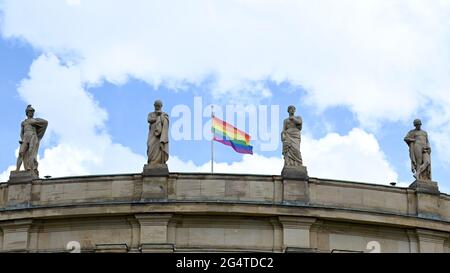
<point>241,193</point>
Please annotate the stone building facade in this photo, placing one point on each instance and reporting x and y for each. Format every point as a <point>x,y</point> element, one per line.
<point>188,212</point>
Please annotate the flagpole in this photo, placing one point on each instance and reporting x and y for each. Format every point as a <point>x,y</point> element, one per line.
<point>212,140</point>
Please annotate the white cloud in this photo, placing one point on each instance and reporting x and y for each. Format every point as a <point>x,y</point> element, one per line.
<point>250,164</point>
<point>4,176</point>
<point>355,157</point>
<point>382,59</point>
<point>76,120</point>
<point>73,2</point>
<point>56,91</point>
<point>71,160</point>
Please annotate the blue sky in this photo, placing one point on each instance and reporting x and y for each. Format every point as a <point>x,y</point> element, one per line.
<point>358,74</point>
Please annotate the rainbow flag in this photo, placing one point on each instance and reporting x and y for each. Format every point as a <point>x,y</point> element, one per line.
<point>229,135</point>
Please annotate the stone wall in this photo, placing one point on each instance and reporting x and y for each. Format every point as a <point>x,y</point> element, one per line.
<point>219,212</point>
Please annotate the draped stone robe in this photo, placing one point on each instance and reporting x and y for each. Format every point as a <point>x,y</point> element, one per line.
<point>158,138</point>
<point>291,139</point>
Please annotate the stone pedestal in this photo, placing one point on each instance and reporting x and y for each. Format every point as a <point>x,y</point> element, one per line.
<point>22,176</point>
<point>297,173</point>
<point>428,202</point>
<point>155,170</point>
<point>425,186</point>
<point>296,233</point>
<point>295,191</point>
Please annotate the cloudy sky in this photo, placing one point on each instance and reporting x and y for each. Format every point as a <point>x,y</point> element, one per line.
<point>358,72</point>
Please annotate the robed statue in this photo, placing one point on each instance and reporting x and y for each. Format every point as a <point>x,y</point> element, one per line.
<point>291,138</point>
<point>158,136</point>
<point>419,152</point>
<point>31,133</point>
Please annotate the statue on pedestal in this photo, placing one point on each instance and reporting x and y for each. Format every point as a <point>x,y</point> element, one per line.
<point>31,133</point>
<point>291,138</point>
<point>158,141</point>
<point>419,152</point>
<point>420,155</point>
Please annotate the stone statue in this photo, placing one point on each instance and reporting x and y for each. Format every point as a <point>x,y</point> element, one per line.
<point>291,138</point>
<point>419,152</point>
<point>158,137</point>
<point>32,131</point>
